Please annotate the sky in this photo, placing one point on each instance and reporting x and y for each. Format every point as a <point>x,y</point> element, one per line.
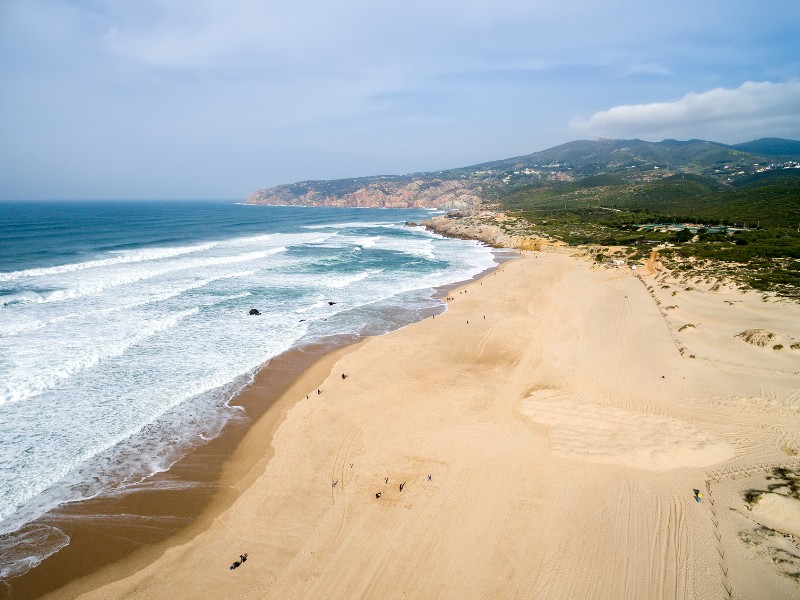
<point>167,99</point>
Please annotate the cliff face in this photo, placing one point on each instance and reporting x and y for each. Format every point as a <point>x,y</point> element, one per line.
<point>485,228</point>
<point>379,193</point>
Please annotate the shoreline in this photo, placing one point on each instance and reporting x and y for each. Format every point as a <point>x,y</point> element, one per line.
<point>133,527</point>
<point>552,422</point>
<point>112,536</point>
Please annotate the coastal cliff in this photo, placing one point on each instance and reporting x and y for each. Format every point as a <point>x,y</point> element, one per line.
<point>374,192</point>
<point>494,229</point>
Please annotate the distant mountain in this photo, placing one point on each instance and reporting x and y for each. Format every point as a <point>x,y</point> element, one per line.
<point>771,147</point>
<point>597,163</point>
<point>610,156</point>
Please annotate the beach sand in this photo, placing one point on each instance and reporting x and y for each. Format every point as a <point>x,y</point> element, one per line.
<point>547,430</point>
<point>176,504</point>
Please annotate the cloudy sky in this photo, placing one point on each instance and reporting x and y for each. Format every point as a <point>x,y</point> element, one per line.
<point>214,99</point>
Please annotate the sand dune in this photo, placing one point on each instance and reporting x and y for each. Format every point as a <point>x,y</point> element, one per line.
<point>779,513</point>
<point>548,431</point>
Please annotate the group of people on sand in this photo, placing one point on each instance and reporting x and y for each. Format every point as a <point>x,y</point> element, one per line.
<point>402,485</point>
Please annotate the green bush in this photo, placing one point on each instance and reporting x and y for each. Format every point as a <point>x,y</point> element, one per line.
<point>684,235</point>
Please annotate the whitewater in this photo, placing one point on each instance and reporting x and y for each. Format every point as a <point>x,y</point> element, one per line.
<point>125,333</point>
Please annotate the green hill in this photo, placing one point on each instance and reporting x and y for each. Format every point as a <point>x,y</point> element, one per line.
<point>769,201</point>
<point>770,147</point>
<point>585,158</point>
<point>745,220</point>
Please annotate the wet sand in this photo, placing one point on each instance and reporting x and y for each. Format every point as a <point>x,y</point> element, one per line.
<point>172,506</point>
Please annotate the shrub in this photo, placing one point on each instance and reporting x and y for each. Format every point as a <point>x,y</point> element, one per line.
<point>753,496</point>
<point>684,235</point>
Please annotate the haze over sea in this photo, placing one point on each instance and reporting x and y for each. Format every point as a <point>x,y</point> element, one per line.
<point>124,328</point>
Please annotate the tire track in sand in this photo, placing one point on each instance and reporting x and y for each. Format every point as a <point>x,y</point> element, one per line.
<point>338,484</point>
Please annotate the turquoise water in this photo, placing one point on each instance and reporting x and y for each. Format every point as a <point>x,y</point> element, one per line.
<point>124,326</point>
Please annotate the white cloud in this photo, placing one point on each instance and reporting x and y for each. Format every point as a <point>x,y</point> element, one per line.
<point>755,108</point>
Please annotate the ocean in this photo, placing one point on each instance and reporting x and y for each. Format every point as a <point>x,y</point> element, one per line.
<point>125,329</point>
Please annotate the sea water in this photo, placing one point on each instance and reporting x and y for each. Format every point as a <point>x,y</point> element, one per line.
<point>124,329</point>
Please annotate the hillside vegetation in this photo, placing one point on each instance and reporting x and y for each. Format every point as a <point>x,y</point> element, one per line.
<point>749,228</point>
<point>766,200</point>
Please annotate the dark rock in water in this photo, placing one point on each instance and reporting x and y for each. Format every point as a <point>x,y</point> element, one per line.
<point>254,311</point>
<point>331,302</point>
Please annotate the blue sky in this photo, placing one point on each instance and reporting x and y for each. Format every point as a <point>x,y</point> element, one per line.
<point>214,99</point>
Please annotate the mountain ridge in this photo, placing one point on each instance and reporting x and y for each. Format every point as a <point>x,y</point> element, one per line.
<point>630,161</point>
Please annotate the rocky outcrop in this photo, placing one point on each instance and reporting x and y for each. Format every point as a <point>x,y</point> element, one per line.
<point>375,193</point>
<point>478,227</point>
<point>457,226</point>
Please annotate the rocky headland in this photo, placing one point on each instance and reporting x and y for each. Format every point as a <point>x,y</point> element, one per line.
<point>590,165</point>
<point>492,228</point>
<point>377,192</point>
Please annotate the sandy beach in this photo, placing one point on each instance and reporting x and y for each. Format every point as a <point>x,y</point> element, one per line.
<point>540,439</point>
